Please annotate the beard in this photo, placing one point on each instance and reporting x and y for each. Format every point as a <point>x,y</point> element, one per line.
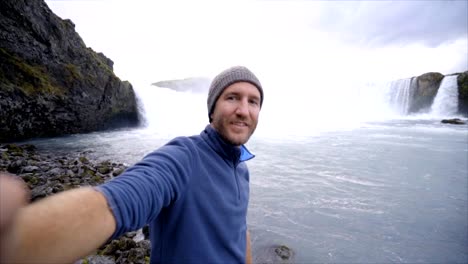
<point>228,133</point>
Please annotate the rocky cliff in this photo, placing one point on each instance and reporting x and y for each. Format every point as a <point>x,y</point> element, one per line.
<point>50,82</point>
<point>426,87</point>
<point>425,91</point>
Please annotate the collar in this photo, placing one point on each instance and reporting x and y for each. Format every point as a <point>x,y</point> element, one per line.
<point>223,148</point>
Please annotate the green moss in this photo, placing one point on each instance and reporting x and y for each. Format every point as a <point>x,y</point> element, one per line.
<point>73,72</point>
<point>147,259</point>
<point>31,79</point>
<point>90,172</point>
<point>13,148</point>
<point>34,180</point>
<point>83,160</point>
<point>97,179</point>
<point>101,64</point>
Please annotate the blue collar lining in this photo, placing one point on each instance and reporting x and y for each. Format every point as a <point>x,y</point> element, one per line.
<point>245,154</point>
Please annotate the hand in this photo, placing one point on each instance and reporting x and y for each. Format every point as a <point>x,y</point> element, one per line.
<point>13,196</point>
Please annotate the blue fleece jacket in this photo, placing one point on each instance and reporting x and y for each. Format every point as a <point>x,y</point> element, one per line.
<point>193,192</point>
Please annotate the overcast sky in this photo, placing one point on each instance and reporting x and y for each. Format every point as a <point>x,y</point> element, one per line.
<point>288,41</point>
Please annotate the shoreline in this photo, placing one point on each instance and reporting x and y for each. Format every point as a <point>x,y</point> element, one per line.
<point>48,174</point>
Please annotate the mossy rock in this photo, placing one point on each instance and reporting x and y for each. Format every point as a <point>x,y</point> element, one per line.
<point>14,150</point>
<point>117,172</point>
<point>116,245</point>
<point>31,79</point>
<point>95,180</point>
<point>104,167</point>
<point>83,159</point>
<point>5,156</point>
<point>73,73</point>
<point>31,180</point>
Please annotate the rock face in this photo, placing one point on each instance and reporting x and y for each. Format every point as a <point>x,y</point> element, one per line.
<point>462,81</point>
<point>197,85</point>
<point>50,82</point>
<point>425,91</point>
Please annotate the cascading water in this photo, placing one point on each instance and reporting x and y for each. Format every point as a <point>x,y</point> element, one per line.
<point>309,107</point>
<point>446,100</point>
<point>171,113</point>
<point>399,95</point>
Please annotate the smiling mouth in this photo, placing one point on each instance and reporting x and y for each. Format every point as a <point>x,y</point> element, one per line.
<point>240,124</point>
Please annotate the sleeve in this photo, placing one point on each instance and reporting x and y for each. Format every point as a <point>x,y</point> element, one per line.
<point>137,196</point>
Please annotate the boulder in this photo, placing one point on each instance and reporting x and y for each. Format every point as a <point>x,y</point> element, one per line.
<point>453,121</point>
<point>274,254</point>
<point>51,83</point>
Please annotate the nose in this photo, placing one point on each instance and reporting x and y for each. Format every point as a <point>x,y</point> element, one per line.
<point>242,108</point>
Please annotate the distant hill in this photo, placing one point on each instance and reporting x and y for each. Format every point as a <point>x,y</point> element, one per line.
<point>196,85</point>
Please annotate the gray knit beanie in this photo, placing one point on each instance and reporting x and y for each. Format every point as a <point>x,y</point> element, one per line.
<point>228,77</point>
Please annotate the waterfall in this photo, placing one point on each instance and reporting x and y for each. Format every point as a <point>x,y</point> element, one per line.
<point>170,112</point>
<point>446,100</point>
<point>399,95</point>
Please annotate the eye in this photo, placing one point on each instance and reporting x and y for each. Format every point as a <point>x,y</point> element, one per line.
<point>231,97</point>
<point>253,102</point>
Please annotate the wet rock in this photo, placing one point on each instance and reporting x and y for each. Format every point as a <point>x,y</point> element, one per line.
<point>96,259</point>
<point>40,192</point>
<point>83,160</point>
<point>55,171</point>
<point>104,167</point>
<point>453,121</point>
<point>46,174</point>
<point>30,169</point>
<point>283,252</point>
<point>15,167</point>
<point>274,254</point>
<point>118,171</point>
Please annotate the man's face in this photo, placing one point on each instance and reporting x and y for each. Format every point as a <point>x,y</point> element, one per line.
<point>235,115</point>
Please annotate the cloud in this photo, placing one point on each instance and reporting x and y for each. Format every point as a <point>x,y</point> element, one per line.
<point>381,23</point>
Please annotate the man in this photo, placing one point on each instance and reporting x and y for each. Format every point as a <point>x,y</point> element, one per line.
<point>193,192</point>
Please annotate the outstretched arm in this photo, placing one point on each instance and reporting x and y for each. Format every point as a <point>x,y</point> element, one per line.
<point>59,229</point>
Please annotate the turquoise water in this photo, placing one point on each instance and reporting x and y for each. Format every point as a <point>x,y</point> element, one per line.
<point>393,191</point>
